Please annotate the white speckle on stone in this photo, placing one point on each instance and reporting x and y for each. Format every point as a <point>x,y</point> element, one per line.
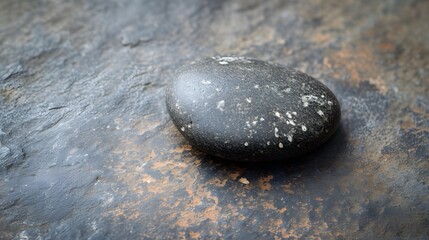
<point>277,114</point>
<point>218,89</point>
<point>289,138</point>
<point>287,90</point>
<point>23,235</point>
<point>205,104</point>
<point>189,125</point>
<point>320,112</point>
<point>248,124</point>
<point>276,132</point>
<point>205,82</point>
<point>280,145</point>
<point>322,96</point>
<point>231,59</point>
<point>254,123</point>
<point>306,99</point>
<point>330,103</point>
<point>246,144</point>
<point>268,143</point>
<point>256,86</point>
<point>294,113</point>
<point>261,119</point>
<point>223,62</point>
<point>288,115</point>
<point>304,128</point>
<point>249,100</point>
<point>221,105</point>
<point>182,128</point>
<point>237,87</point>
<point>292,123</point>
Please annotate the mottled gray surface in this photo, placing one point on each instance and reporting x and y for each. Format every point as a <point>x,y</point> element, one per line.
<point>251,110</point>
<point>88,149</point>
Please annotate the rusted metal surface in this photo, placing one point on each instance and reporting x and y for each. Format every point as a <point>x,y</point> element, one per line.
<point>88,150</point>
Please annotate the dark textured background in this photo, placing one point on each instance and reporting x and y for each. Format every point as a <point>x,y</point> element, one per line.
<point>88,150</point>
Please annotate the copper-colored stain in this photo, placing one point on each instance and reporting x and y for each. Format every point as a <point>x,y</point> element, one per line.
<point>9,94</point>
<point>146,124</point>
<point>218,182</point>
<point>182,148</point>
<point>288,188</point>
<point>321,38</point>
<point>387,47</point>
<point>269,205</point>
<point>235,174</point>
<point>264,183</point>
<point>194,235</point>
<point>244,181</point>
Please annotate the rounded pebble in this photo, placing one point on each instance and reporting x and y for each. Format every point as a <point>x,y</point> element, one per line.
<point>250,110</point>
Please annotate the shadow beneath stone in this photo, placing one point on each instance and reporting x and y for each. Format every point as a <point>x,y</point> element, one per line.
<point>321,158</point>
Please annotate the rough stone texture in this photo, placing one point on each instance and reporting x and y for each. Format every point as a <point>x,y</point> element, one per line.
<point>245,109</point>
<point>94,155</point>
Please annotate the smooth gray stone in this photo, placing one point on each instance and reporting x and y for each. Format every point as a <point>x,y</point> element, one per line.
<point>250,110</point>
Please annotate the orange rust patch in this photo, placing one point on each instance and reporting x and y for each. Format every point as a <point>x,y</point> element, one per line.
<point>161,165</point>
<point>244,181</point>
<point>196,201</point>
<point>175,173</point>
<point>123,211</point>
<point>264,183</point>
<point>190,217</point>
<point>269,205</point>
<point>151,155</point>
<point>283,210</point>
<point>234,175</point>
<point>127,148</point>
<point>194,235</point>
<point>379,84</point>
<point>320,38</point>
<point>181,149</point>
<point>289,234</point>
<point>408,124</point>
<point>217,182</point>
<point>287,188</point>
<point>146,124</point>
<point>9,94</point>
<point>360,64</point>
<point>326,63</point>
<point>387,47</point>
<point>298,225</point>
<point>148,179</point>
